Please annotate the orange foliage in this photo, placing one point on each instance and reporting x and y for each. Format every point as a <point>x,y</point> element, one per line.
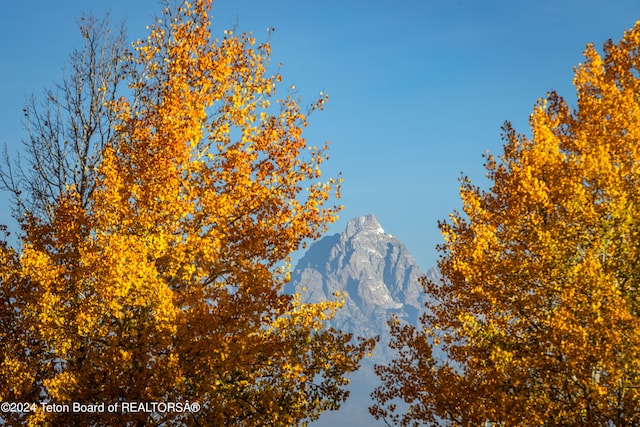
<point>167,286</point>
<point>538,313</point>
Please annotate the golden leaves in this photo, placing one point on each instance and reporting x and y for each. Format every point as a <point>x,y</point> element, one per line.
<point>538,312</point>
<point>167,285</point>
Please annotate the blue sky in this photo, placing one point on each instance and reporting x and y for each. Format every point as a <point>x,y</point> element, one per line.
<point>418,88</point>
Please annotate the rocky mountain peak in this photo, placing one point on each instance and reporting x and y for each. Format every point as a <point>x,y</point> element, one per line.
<point>362,224</point>
<point>374,269</point>
<point>379,277</point>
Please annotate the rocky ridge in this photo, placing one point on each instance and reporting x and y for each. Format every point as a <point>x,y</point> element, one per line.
<point>380,278</point>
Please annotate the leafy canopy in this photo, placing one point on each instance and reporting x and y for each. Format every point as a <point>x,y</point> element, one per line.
<point>538,314</point>
<point>163,284</point>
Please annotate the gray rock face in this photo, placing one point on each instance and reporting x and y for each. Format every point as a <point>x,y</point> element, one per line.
<point>380,278</point>
<point>373,268</point>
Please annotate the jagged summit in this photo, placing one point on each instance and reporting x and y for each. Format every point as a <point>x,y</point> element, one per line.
<point>373,267</point>
<point>380,278</point>
<point>366,223</point>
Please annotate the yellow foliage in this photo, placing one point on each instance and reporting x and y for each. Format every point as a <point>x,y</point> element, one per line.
<point>167,287</point>
<point>538,312</point>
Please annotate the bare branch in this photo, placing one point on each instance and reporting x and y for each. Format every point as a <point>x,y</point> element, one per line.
<point>68,126</point>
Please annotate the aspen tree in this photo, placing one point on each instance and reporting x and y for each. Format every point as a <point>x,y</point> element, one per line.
<point>537,313</point>
<point>165,285</point>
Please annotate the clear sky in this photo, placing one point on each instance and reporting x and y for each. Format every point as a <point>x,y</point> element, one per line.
<point>418,88</point>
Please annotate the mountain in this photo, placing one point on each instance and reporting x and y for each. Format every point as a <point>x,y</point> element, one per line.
<point>380,279</point>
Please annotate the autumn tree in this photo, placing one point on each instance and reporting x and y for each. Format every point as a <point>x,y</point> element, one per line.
<point>164,283</point>
<point>538,312</point>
